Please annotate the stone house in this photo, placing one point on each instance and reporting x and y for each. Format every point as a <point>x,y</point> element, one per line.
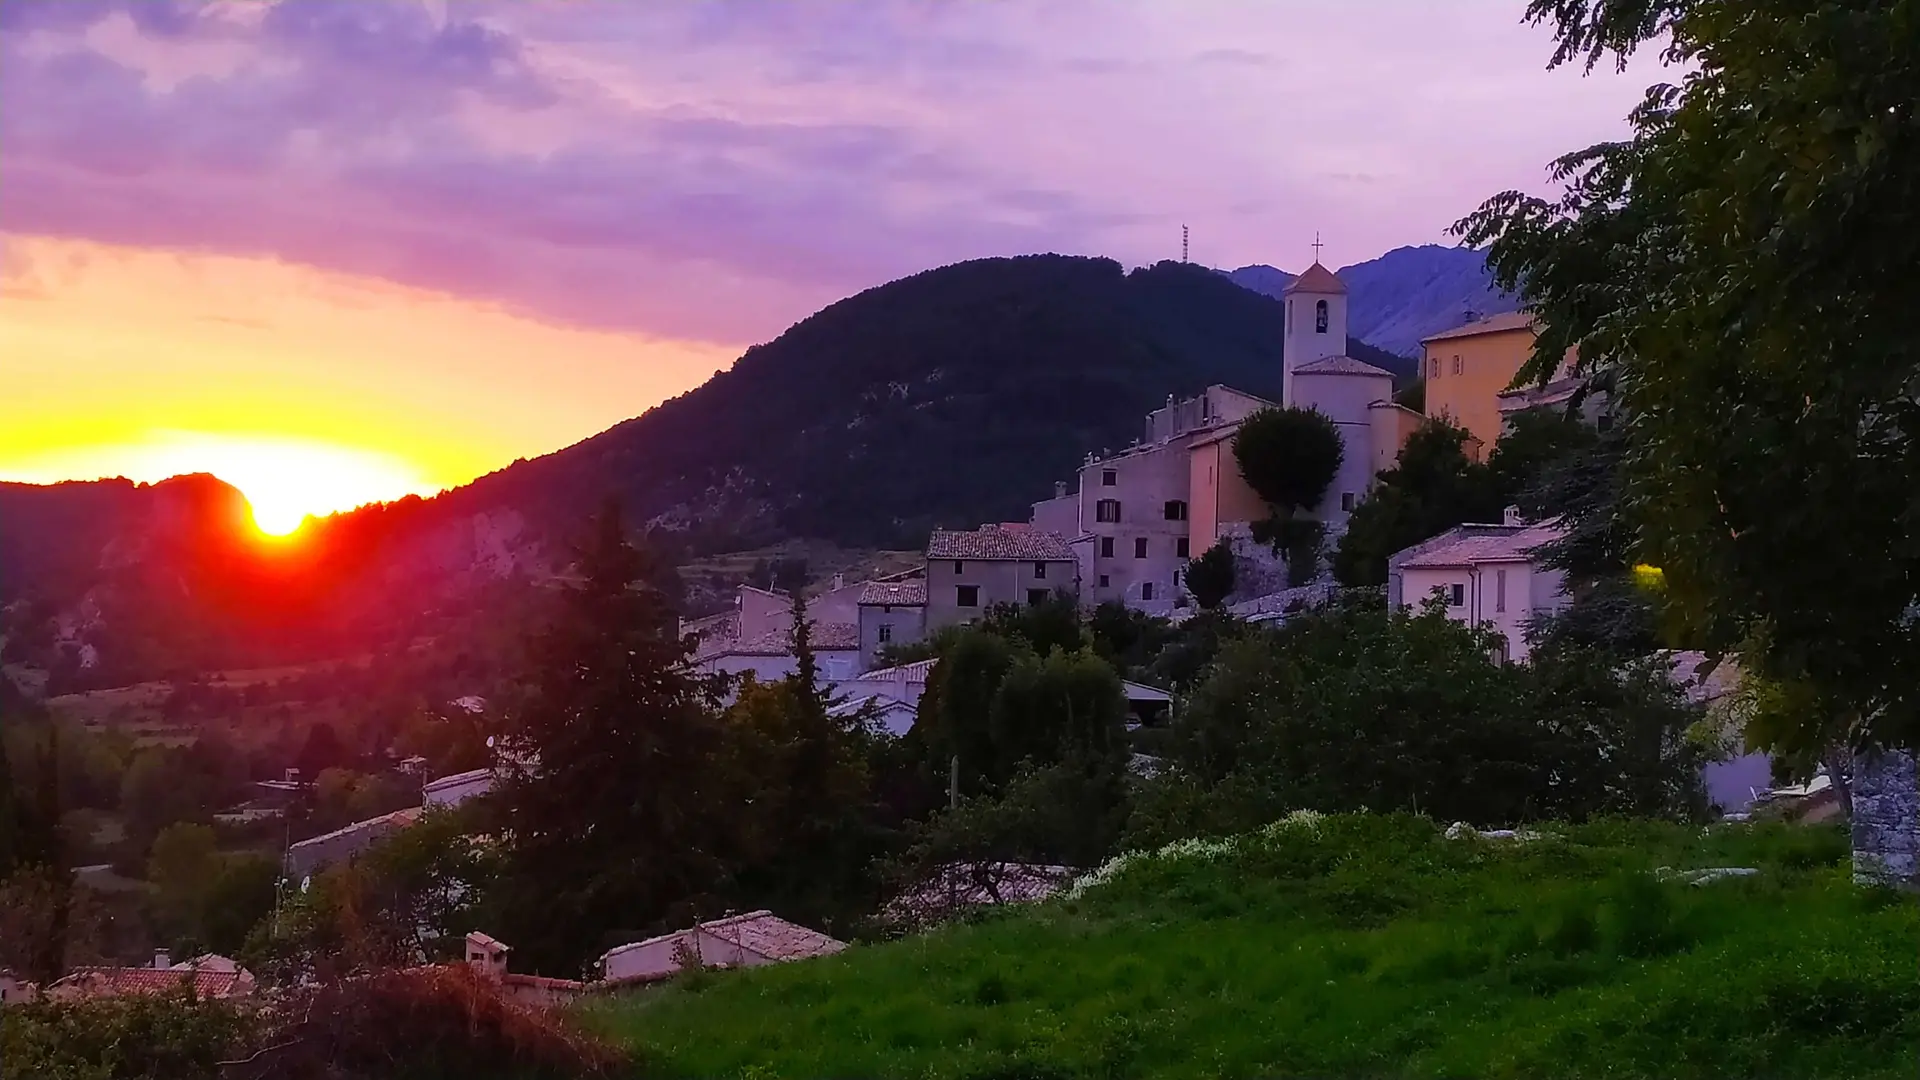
<point>210,981</point>
<point>969,572</point>
<point>488,958</point>
<point>836,649</point>
<point>15,990</point>
<point>1485,574</point>
<point>755,939</point>
<point>890,612</point>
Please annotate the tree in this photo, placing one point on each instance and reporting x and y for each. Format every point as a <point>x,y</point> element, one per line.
<point>1210,577</point>
<point>322,750</point>
<point>954,709</point>
<point>1351,708</point>
<point>182,869</point>
<point>1431,488</point>
<point>1744,266</point>
<point>238,898</point>
<point>611,821</point>
<point>806,815</point>
<point>1289,458</point>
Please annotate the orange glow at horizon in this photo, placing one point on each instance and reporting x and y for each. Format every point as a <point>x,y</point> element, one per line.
<point>309,391</point>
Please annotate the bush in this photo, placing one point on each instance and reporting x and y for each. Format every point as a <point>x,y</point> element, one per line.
<point>439,1023</point>
<point>168,1035</point>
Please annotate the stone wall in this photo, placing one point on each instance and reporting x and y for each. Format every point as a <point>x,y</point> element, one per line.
<point>1886,819</point>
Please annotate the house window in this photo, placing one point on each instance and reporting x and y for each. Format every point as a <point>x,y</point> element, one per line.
<point>1176,510</point>
<point>1347,501</point>
<point>1036,597</point>
<point>1456,596</point>
<point>1106,547</point>
<point>967,596</point>
<point>1109,477</point>
<point>959,568</point>
<point>1456,365</point>
<point>1107,510</point>
<point>886,633</point>
<point>1319,316</point>
<point>1501,652</point>
<point>1146,590</point>
<point>1499,590</point>
<point>1105,581</point>
<point>1140,548</point>
<point>1433,367</point>
<point>1039,571</point>
<point>1180,548</point>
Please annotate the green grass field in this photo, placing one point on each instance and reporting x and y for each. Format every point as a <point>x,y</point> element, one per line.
<point>1354,947</point>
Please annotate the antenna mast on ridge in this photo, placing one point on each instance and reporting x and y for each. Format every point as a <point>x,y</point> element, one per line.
<point>1183,243</point>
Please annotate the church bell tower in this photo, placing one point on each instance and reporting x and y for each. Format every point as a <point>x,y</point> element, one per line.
<point>1316,304</point>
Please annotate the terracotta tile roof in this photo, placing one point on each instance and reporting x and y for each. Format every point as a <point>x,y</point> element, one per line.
<point>993,543</point>
<point>101,982</point>
<point>771,936</point>
<point>894,593</point>
<point>915,672</point>
<point>1340,365</point>
<point>1317,279</point>
<point>1492,324</point>
<point>827,637</point>
<point>1509,544</point>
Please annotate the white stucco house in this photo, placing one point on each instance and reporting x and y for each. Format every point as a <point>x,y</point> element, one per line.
<point>1484,574</point>
<point>769,657</point>
<point>751,940</point>
<point>458,788</point>
<point>891,611</point>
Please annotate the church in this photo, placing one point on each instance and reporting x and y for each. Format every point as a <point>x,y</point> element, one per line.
<point>1135,518</point>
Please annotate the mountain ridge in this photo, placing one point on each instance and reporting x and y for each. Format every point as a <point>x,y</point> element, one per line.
<point>1402,296</point>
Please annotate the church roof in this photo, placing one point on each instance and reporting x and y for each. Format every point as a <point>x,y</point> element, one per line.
<point>1492,324</point>
<point>1317,279</point>
<point>1340,365</point>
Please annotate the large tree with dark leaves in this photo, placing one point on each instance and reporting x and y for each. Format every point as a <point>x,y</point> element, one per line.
<point>1747,264</point>
<point>612,825</point>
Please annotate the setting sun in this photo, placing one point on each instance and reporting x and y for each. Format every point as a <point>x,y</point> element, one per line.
<point>286,481</point>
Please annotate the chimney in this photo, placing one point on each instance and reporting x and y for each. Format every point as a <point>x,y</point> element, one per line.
<point>1512,517</point>
<point>839,582</point>
<point>162,959</point>
<point>1059,489</point>
<point>1469,316</point>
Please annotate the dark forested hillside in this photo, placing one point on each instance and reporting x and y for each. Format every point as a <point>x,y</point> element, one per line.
<point>948,398</point>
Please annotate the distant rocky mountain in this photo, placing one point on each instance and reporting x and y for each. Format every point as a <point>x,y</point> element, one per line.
<point>1403,296</point>
<point>949,398</point>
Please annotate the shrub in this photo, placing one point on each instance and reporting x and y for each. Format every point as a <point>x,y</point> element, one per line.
<point>438,1023</point>
<point>167,1035</point>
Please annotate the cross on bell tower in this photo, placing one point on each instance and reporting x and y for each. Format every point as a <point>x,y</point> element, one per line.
<point>1317,245</point>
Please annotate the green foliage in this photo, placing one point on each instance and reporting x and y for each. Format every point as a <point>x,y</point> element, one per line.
<point>239,897</point>
<point>141,1037</point>
<point>1433,487</point>
<point>1289,458</point>
<point>1349,709</point>
<point>1355,946</point>
<point>615,829</point>
<point>182,869</point>
<point>1210,577</point>
<point>1127,639</point>
<point>46,925</point>
<point>1744,266</point>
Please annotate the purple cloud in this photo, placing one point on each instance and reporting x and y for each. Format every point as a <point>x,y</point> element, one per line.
<point>709,171</point>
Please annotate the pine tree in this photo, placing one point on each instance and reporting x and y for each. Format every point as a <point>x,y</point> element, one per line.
<point>614,824</point>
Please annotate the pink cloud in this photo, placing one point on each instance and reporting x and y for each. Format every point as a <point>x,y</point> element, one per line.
<point>715,171</point>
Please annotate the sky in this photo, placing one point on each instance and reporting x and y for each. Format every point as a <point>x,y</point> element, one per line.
<point>341,251</point>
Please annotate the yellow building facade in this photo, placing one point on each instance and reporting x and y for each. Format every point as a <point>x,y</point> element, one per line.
<point>1466,368</point>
